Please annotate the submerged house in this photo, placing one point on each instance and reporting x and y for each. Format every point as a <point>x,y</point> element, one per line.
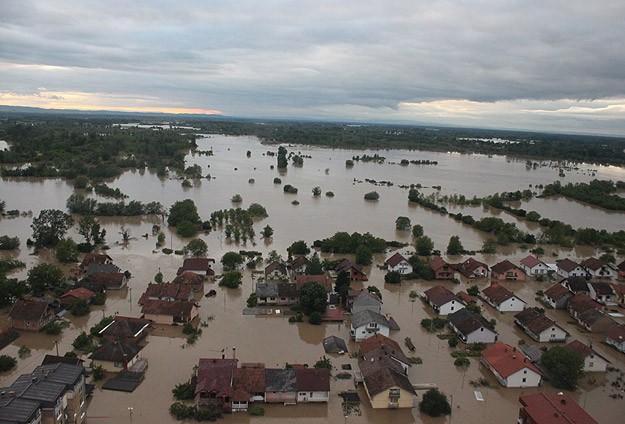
<point>365,324</point>
<point>534,266</point>
<point>443,300</point>
<point>471,327</point>
<point>507,271</point>
<point>398,263</point>
<point>442,270</point>
<point>557,296</point>
<point>31,315</point>
<point>472,268</point>
<point>502,299</point>
<point>539,327</point>
<point>510,366</point>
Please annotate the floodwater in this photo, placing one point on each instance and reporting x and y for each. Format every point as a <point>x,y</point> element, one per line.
<point>271,339</point>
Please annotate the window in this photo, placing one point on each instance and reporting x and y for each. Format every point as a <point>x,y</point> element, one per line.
<point>524,380</point>
<point>524,371</point>
<point>393,394</point>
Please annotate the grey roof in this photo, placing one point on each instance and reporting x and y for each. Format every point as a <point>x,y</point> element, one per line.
<point>280,380</point>
<point>94,267</point>
<point>334,344</point>
<point>366,299</point>
<point>267,290</point>
<point>46,392</point>
<point>64,373</point>
<point>364,317</point>
<point>17,410</point>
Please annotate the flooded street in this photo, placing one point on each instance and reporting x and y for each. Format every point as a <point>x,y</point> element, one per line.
<point>272,339</point>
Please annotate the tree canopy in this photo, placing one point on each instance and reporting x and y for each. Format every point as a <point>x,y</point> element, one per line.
<point>50,227</point>
<point>434,403</point>
<point>183,210</point>
<point>565,367</point>
<point>44,277</point>
<point>313,298</point>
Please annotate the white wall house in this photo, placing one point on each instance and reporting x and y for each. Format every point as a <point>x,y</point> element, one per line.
<point>365,324</point>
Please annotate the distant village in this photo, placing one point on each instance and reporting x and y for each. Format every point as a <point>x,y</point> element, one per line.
<point>589,290</point>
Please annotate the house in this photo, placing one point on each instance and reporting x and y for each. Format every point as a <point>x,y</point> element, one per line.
<point>168,292</point>
<point>619,291</point>
<point>602,292</point>
<point>276,270</point>
<point>52,394</point>
<point>472,268</point>
<point>248,383</point>
<point>386,387</point>
<point>595,321</point>
<point>365,324</point>
<point>127,329</point>
<point>534,266</point>
<point>312,385</point>
<point>213,383</point>
<point>324,280</point>
<point>200,266</point>
<point>443,300</point>
<point>356,272</point>
<point>510,366</point>
<point>620,269</point>
<point>382,348</point>
<point>74,295</point>
<point>442,270</point>
<point>288,294</point>
<point>94,258</point>
<point>552,408</point>
<point>593,362</point>
<point>616,337</point>
<point>266,293</point>
<point>539,327</point>
<point>471,327</point>
<point>299,264</point>
<point>580,303</point>
<point>30,315</point>
<point>502,299</point>
<point>110,280</point>
<point>599,269</point>
<point>365,300</point>
<point>569,268</point>
<point>398,263</point>
<point>193,280</point>
<point>166,312</point>
<point>557,296</point>
<point>507,271</point>
<point>115,356</point>
<point>334,344</point>
<point>281,386</point>
<point>576,284</point>
<point>94,268</point>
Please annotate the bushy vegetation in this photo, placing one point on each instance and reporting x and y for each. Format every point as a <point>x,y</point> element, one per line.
<point>343,242</point>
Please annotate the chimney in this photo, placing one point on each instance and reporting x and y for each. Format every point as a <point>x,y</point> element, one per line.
<point>234,352</point>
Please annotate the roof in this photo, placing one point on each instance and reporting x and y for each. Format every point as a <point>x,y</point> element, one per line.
<point>467,321</point>
<point>29,310</point>
<point>266,290</point>
<point>188,277</point>
<point>497,294</point>
<point>324,280</point>
<point>378,377</point>
<point>617,334</point>
<point>567,265</point>
<point>531,261</point>
<point>582,349</point>
<point>507,360</point>
<point>175,291</point>
<point>334,344</point>
<point>280,380</point>
<point>380,348</point>
<point>252,380</point>
<point>276,266</point>
<point>365,298</point>
<point>109,279</point>
<point>557,292</point>
<point>534,320</point>
<point>53,359</point>
<point>196,264</point>
<point>581,302</point>
<point>366,316</point>
<point>554,408</point>
<point>312,379</point>
<point>164,307</point>
<point>602,288</point>
<point>299,261</point>
<point>288,290</point>
<point>396,259</point>
<point>93,268</point>
<point>593,316</point>
<point>125,327</point>
<point>467,267</point>
<point>18,410</point>
<point>78,293</point>
<point>347,264</point>
<point>621,266</point>
<point>215,375</point>
<point>504,266</point>
<point>593,263</point>
<point>576,284</point>
<point>439,296</point>
<point>437,262</point>
<point>116,351</point>
<point>97,258</point>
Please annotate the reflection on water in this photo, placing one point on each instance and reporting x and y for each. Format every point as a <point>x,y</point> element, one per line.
<point>272,339</point>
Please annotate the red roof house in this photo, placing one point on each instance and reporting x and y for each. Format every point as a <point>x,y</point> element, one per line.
<point>552,408</point>
<point>510,366</point>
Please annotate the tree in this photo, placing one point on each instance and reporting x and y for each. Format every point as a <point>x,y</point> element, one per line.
<point>50,227</point>
<point>231,260</point>
<point>434,403</point>
<point>363,255</point>
<point>402,223</point>
<point>392,277</point>
<point>256,210</point>
<point>79,308</point>
<point>341,287</point>
<point>252,300</point>
<point>158,278</point>
<point>11,290</point>
<point>186,229</point>
<point>236,198</point>
<point>267,232</point>
<point>417,231</point>
<point>489,246</point>
<point>424,246</point>
<point>455,246</point>
<point>375,290</point>
<point>565,367</point>
<point>282,160</point>
<point>7,363</point>
<point>66,251</point>
<point>9,243</point>
<point>473,290</point>
<point>298,248</point>
<point>89,228</point>
<point>44,277</point>
<point>314,267</point>
<point>196,247</point>
<point>313,298</point>
<point>316,191</point>
<point>372,195</point>
<point>183,210</point>
<point>231,279</point>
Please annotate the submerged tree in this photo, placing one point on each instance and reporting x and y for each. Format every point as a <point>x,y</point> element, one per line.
<point>50,227</point>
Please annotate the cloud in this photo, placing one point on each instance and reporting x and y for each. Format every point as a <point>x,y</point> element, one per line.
<point>453,61</point>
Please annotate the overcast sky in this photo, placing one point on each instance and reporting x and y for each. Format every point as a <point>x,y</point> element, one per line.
<point>538,65</point>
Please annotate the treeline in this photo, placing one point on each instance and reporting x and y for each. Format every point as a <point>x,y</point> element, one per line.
<point>79,204</point>
<point>600,193</point>
<point>343,242</point>
<point>70,147</point>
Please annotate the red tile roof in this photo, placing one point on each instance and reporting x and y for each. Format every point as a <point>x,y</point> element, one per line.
<point>593,263</point>
<point>439,296</point>
<point>164,307</point>
<point>395,259</point>
<point>507,360</point>
<point>78,293</point>
<point>617,334</point>
<point>504,266</point>
<point>530,261</point>
<point>497,294</point>
<point>29,310</point>
<point>567,265</point>
<point>167,290</point>
<point>557,292</point>
<point>552,408</point>
<point>324,280</point>
<point>581,302</point>
<point>312,379</point>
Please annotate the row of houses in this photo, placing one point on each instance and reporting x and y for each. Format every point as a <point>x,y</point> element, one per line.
<point>280,270</point>
<point>221,382</point>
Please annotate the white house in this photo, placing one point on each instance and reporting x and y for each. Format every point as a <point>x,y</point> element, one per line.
<point>534,266</point>
<point>398,263</point>
<point>471,327</point>
<point>539,327</point>
<point>312,385</point>
<point>502,299</point>
<point>569,268</point>
<point>442,300</point>
<point>593,362</point>
<point>599,269</point>
<point>602,292</point>
<point>510,366</point>
<point>366,323</point>
<point>616,337</point>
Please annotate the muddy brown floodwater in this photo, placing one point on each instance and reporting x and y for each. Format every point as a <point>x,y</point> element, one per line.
<point>272,339</point>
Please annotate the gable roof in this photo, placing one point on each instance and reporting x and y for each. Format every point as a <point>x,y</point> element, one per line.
<point>507,360</point>
<point>29,310</point>
<point>196,264</point>
<point>594,316</point>
<point>312,379</point>
<point>621,266</point>
<point>177,291</point>
<point>617,333</point>
<point>467,321</point>
<point>188,277</point>
<point>396,259</point>
<point>380,347</point>
<point>323,279</point>
<point>346,264</point>
<point>124,327</point>
<point>582,349</point>
<point>334,344</point>
<point>439,296</point>
<point>215,375</point>
<point>116,351</point>
<point>593,263</point>
<point>108,279</point>
<point>504,266</point>
<point>554,408</point>
<point>567,265</point>
<point>581,302</point>
<point>557,292</point>
<point>299,261</point>
<point>467,267</point>
<point>288,290</point>
<point>252,380</point>
<point>498,294</point>
<point>276,266</point>
<point>264,290</point>
<point>534,320</point>
<point>366,316</point>
<point>164,307</point>
<point>576,284</point>
<point>96,258</point>
<point>78,293</point>
<point>365,297</point>
<point>379,377</point>
<point>602,288</point>
<point>531,261</point>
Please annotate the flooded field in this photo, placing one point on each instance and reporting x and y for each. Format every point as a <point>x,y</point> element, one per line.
<point>272,339</point>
